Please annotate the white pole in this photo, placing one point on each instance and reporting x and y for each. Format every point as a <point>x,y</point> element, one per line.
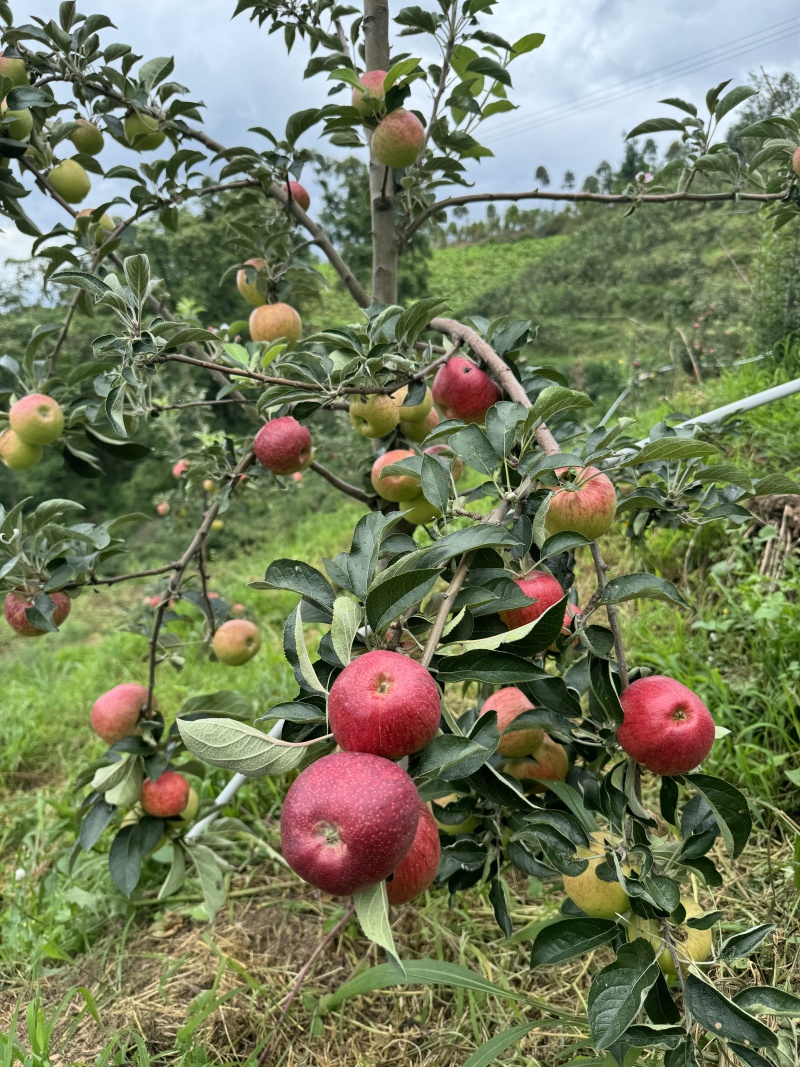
<point>228,793</point>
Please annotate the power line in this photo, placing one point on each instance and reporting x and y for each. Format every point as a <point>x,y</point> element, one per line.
<point>613,93</point>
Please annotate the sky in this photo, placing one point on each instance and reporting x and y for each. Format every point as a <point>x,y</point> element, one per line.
<point>602,69</point>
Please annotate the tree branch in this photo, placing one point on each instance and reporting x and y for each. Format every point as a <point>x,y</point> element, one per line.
<point>590,198</point>
<point>341,485</point>
<point>613,619</point>
<point>150,573</point>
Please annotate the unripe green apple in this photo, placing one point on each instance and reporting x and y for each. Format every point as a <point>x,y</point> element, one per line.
<point>143,133</point>
<point>414,412</point>
<point>796,161</point>
<point>464,827</point>
<point>70,181</point>
<point>17,454</point>
<point>37,419</point>
<point>95,230</point>
<point>87,138</point>
<point>691,946</point>
<point>247,286</point>
<point>18,123</point>
<point>418,511</point>
<point>192,806</point>
<point>13,69</point>
<point>236,642</point>
<point>601,900</point>
<point>374,415</point>
<point>418,431</point>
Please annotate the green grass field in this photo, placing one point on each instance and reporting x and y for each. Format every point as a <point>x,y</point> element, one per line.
<point>138,981</point>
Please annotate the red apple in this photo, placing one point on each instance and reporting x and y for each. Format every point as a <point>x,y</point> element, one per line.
<point>394,487</point>
<point>181,467</point>
<point>16,603</point>
<point>248,289</point>
<point>163,508</point>
<point>236,642</point>
<point>299,194</point>
<point>419,430</point>
<point>166,797</point>
<point>569,617</point>
<point>667,728</point>
<point>462,391</point>
<point>372,81</point>
<point>116,713</point>
<point>544,588</point>
<point>384,703</point>
<point>297,476</point>
<point>273,322</point>
<point>509,703</point>
<point>36,419</point>
<point>416,872</point>
<point>398,139</point>
<point>283,445</point>
<point>585,504</point>
<point>348,821</point>
<point>549,762</point>
<point>796,161</point>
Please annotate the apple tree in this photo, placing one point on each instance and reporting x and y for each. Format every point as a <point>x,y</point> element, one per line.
<point>460,672</point>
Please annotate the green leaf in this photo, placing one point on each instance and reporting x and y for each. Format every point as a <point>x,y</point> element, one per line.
<point>125,860</point>
<point>527,44</point>
<point>571,937</point>
<point>473,446</point>
<point>82,280</point>
<point>126,791</point>
<point>372,909</point>
<point>775,483</point>
<point>294,712</point>
<point>435,482</point>
<point>499,668</point>
<point>619,990</point>
<point>729,807</point>
<point>498,898</point>
<point>634,586</point>
<point>768,1000</point>
<point>491,1049</point>
<point>449,757</point>
<point>417,972</point>
<point>502,420</point>
<point>303,658</point>
<point>97,819</point>
<point>301,121</point>
<point>210,874</point>
<point>239,747</point>
<point>655,126</point>
<point>481,535</point>
<point>562,542</point>
<point>301,578</point>
<point>725,472</point>
<point>177,873</point>
<point>412,322</point>
<point>723,1018</point>
<point>732,99</point>
<point>363,555</point>
<point>345,626</point>
<point>740,945</point>
<point>671,448</point>
<point>388,600</point>
<point>554,399</point>
<point>137,275</point>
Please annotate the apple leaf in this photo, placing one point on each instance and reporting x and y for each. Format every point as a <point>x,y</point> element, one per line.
<point>767,1000</point>
<point>633,586</point>
<point>239,747</point>
<point>304,665</point>
<point>729,807</point>
<point>568,938</point>
<point>347,619</point>
<point>619,991</point>
<point>435,482</point>
<point>473,446</point>
<point>740,945</point>
<point>300,578</point>
<point>125,859</point>
<point>554,399</point>
<point>388,600</point>
<point>673,448</point>
<point>97,819</point>
<point>449,757</point>
<point>723,1018</point>
<point>499,668</point>
<point>372,909</point>
<point>177,873</point>
<point>210,874</point>
<point>125,792</point>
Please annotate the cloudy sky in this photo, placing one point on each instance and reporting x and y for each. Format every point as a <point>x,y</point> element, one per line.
<point>602,69</point>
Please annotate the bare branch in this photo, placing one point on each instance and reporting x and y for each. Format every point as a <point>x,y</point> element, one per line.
<point>590,198</point>
<point>152,572</point>
<point>613,619</point>
<point>341,485</point>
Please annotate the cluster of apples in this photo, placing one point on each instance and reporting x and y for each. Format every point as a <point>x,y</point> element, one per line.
<point>34,421</point>
<point>461,390</point>
<point>272,322</point>
<point>116,715</point>
<point>355,818</point>
<point>399,136</point>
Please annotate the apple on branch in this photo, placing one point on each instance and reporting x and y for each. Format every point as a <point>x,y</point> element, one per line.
<point>348,821</point>
<point>236,642</point>
<point>666,727</point>
<point>585,503</point>
<point>463,391</point>
<point>117,713</point>
<point>283,446</point>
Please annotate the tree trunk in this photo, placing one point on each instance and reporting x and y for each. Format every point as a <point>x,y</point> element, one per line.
<point>381,181</point>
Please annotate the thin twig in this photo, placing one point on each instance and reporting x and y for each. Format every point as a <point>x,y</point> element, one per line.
<point>91,580</point>
<point>201,568</point>
<point>611,610</point>
<point>341,485</point>
<point>262,1059</point>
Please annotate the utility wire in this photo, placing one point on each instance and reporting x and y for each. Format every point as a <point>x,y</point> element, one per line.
<point>617,92</point>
